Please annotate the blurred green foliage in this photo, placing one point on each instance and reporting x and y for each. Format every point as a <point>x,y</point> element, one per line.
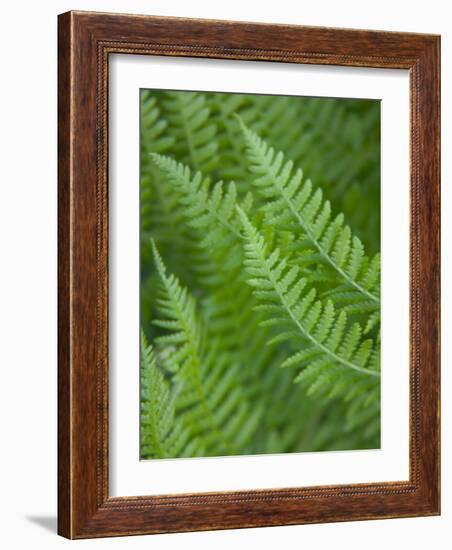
<point>260,274</point>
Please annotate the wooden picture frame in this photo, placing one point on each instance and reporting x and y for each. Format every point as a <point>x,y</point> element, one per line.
<point>85,42</point>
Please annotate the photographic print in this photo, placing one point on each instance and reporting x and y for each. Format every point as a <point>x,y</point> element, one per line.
<point>225,190</point>
<point>260,274</point>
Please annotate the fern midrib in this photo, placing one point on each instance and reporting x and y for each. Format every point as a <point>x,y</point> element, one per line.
<point>162,198</point>
<point>157,446</point>
<point>188,136</point>
<point>221,220</point>
<point>316,243</point>
<point>299,325</point>
<point>195,195</point>
<point>233,140</point>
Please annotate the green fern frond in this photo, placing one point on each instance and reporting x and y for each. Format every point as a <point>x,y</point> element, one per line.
<point>210,397</point>
<point>328,346</point>
<point>276,123</point>
<point>161,436</point>
<point>153,127</point>
<point>218,337</point>
<point>294,205</point>
<point>229,309</point>
<point>178,308</point>
<point>159,205</point>
<point>191,128</point>
<point>232,163</point>
<point>154,202</point>
<point>209,210</point>
<point>334,140</point>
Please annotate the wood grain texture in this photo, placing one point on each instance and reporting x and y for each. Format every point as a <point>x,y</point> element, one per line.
<point>64,295</point>
<point>85,42</point>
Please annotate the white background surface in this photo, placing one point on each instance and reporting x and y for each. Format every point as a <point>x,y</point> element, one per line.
<point>28,274</point>
<point>128,475</point>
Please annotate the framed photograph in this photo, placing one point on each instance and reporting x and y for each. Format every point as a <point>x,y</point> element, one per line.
<point>248,275</point>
